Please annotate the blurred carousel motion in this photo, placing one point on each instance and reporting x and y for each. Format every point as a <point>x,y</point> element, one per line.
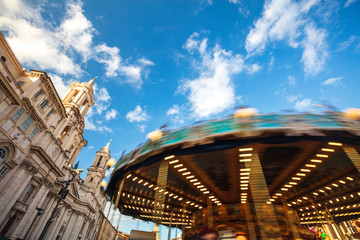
<point>248,176</point>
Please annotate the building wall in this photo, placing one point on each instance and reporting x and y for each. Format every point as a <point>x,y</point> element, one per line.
<point>40,138</point>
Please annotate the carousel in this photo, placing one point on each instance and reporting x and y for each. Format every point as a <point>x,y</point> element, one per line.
<point>249,176</point>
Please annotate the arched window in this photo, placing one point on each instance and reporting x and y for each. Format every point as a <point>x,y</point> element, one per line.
<point>63,134</point>
<point>98,163</point>
<point>21,83</point>
<point>3,154</point>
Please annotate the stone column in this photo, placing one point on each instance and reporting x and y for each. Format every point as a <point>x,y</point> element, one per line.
<point>15,188</point>
<point>30,214</point>
<point>55,226</point>
<point>77,227</point>
<point>70,138</point>
<point>85,109</point>
<point>47,212</point>
<point>60,127</point>
<point>85,228</point>
<point>78,96</point>
<point>74,156</point>
<point>71,225</point>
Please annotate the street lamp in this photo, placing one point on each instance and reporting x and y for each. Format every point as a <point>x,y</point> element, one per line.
<point>63,192</point>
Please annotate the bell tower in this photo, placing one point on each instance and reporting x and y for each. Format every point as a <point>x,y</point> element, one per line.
<point>80,95</point>
<point>96,172</point>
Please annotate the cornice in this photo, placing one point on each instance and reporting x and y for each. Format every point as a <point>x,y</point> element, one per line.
<point>48,160</point>
<point>45,79</point>
<point>9,91</point>
<point>10,54</point>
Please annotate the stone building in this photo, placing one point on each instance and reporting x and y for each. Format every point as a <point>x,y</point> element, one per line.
<point>40,138</point>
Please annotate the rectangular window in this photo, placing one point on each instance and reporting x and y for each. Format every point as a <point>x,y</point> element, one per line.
<point>43,104</point>
<point>27,123</point>
<point>49,113</point>
<point>18,114</point>
<point>3,170</point>
<point>38,93</point>
<point>28,193</point>
<point>34,132</point>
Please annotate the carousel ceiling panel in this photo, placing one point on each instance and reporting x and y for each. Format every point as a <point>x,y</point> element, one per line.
<point>215,167</point>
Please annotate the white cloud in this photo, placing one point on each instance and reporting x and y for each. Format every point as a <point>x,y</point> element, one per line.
<point>110,57</point>
<point>111,114</point>
<point>253,68</point>
<point>61,86</point>
<point>102,95</point>
<point>90,125</point>
<point>344,45</point>
<point>291,80</point>
<point>175,109</point>
<point>176,113</point>
<point>102,103</point>
<point>33,39</point>
<point>314,54</point>
<point>212,91</point>
<point>304,105</point>
<point>289,21</point>
<point>146,62</point>
<point>333,81</point>
<point>271,63</point>
<point>349,2</point>
<point>141,127</point>
<point>76,31</point>
<point>137,115</point>
<point>292,98</point>
<point>56,46</point>
<point>109,171</point>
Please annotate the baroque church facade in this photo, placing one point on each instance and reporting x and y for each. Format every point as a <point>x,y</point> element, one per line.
<point>40,138</point>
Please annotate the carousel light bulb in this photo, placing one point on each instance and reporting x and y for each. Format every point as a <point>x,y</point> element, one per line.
<point>174,161</point>
<point>245,155</point>
<point>352,113</point>
<point>110,162</point>
<point>155,135</point>
<point>316,160</point>
<point>245,113</point>
<point>169,157</point>
<point>335,144</point>
<point>327,150</point>
<point>103,183</point>
<point>245,160</point>
<point>245,149</point>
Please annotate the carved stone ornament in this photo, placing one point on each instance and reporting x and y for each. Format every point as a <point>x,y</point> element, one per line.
<point>46,182</point>
<point>28,167</point>
<point>54,152</point>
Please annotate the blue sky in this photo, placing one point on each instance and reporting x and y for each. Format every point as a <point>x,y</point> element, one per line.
<point>178,62</point>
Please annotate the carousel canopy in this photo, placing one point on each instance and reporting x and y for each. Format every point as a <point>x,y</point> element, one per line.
<point>307,162</point>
